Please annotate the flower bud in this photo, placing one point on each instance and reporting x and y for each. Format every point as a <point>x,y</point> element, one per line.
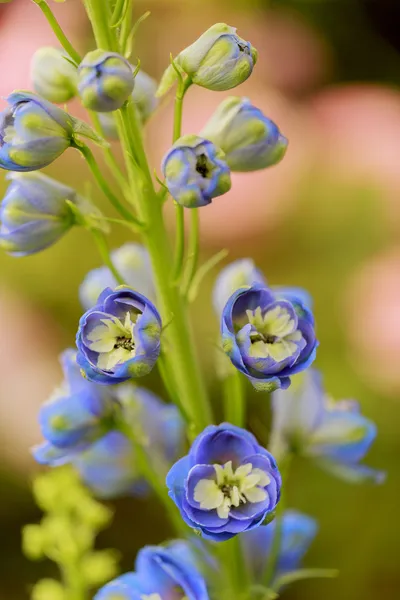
<point>33,132</point>
<point>143,96</point>
<point>105,81</point>
<point>35,213</point>
<point>53,76</point>
<point>249,139</point>
<point>195,171</point>
<point>219,60</point>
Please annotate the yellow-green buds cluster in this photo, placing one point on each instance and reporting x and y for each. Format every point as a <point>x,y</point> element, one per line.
<point>250,140</point>
<point>105,81</point>
<point>53,75</point>
<point>219,60</point>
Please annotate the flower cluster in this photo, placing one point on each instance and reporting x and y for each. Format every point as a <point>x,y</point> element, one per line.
<point>217,480</point>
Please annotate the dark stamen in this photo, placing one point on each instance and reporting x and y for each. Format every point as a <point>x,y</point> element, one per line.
<point>202,165</point>
<point>260,337</point>
<point>123,342</point>
<point>243,48</point>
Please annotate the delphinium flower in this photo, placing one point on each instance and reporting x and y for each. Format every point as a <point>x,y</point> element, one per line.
<point>53,75</point>
<point>33,132</point>
<point>144,98</point>
<point>268,335</point>
<point>105,80</point>
<point>161,573</point>
<point>133,262</point>
<point>232,277</point>
<point>195,171</point>
<point>336,435</point>
<point>297,531</point>
<point>219,60</point>
<point>80,424</point>
<point>227,483</point>
<point>35,212</point>
<point>250,140</point>
<point>119,338</point>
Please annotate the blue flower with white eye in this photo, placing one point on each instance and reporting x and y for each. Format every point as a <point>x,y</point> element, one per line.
<point>218,60</point>
<point>334,434</point>
<point>232,277</point>
<point>227,483</point>
<point>33,132</point>
<point>250,140</point>
<point>119,338</point>
<point>161,573</point>
<point>133,262</point>
<point>105,80</point>
<point>268,335</point>
<point>297,533</point>
<point>195,171</point>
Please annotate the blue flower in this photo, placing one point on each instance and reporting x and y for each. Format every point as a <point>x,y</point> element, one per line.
<point>105,80</point>
<point>219,60</point>
<point>334,434</point>
<point>232,277</point>
<point>227,483</point>
<point>80,427</point>
<point>195,171</point>
<point>250,140</point>
<point>33,132</point>
<point>297,533</point>
<point>119,338</point>
<point>35,214</point>
<point>53,76</point>
<point>133,262</point>
<point>161,573</point>
<point>268,335</point>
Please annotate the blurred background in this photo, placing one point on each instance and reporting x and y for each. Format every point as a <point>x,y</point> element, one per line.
<point>327,219</point>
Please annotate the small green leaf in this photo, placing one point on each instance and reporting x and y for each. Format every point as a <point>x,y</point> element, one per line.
<point>32,542</point>
<point>99,567</point>
<point>48,589</point>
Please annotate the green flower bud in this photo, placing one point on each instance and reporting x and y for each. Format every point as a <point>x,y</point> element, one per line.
<point>219,60</point>
<point>53,75</point>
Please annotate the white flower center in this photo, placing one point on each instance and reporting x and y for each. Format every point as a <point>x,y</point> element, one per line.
<point>151,597</point>
<point>231,488</point>
<point>274,336</point>
<point>114,341</point>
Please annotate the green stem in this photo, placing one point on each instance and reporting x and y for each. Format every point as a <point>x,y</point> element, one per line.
<point>181,347</point>
<point>126,27</point>
<point>109,155</point>
<point>234,399</point>
<point>103,185</point>
<point>193,251</point>
<point>271,566</point>
<point>152,476</point>
<point>99,15</point>
<point>183,86</point>
<point>65,43</point>
<point>104,251</point>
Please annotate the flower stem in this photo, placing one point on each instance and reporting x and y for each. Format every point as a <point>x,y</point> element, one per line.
<point>193,251</point>
<point>271,566</point>
<point>103,185</point>
<point>102,246</point>
<point>234,399</point>
<point>51,19</point>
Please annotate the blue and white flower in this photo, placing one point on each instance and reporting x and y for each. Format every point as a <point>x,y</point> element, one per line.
<point>195,171</point>
<point>119,338</point>
<point>219,60</point>
<point>133,262</point>
<point>250,140</point>
<point>268,335</point>
<point>161,573</point>
<point>227,483</point>
<point>334,434</point>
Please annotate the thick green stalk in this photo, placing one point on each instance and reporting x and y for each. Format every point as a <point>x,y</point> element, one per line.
<point>182,356</point>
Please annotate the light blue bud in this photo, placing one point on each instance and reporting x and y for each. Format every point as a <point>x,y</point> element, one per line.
<point>105,81</point>
<point>143,96</point>
<point>249,139</point>
<point>53,76</point>
<point>219,60</point>
<point>33,132</point>
<point>195,171</point>
<point>34,213</point>
<point>240,273</point>
<point>133,262</point>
